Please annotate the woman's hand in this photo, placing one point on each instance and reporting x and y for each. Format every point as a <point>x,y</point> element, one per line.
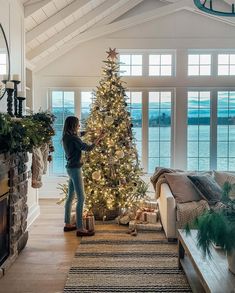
<point>99,138</point>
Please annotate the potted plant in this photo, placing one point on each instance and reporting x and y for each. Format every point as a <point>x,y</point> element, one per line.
<point>217,225</point>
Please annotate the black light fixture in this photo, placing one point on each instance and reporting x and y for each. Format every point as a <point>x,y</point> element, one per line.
<point>207,6</point>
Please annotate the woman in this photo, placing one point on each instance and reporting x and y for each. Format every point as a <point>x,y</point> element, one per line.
<point>73,147</point>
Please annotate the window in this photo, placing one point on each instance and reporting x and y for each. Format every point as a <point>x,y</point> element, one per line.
<point>86,100</point>
<point>226,130</point>
<point>199,64</point>
<point>62,106</point>
<point>130,64</point>
<point>134,101</point>
<point>160,65</point>
<point>198,145</point>
<point>159,130</point>
<point>3,63</point>
<point>226,64</point>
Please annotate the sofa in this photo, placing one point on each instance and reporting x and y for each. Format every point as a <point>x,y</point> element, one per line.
<point>167,209</point>
<point>175,213</point>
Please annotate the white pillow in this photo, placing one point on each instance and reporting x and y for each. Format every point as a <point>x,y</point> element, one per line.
<point>222,177</point>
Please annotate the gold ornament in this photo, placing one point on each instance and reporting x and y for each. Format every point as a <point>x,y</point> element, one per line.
<point>96,175</point>
<point>120,154</point>
<point>109,120</point>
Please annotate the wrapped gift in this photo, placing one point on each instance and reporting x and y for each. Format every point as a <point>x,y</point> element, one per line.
<point>89,221</point>
<point>145,226</point>
<point>125,218</point>
<point>152,204</point>
<point>147,215</point>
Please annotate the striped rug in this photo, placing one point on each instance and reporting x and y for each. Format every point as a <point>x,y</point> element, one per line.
<point>114,261</point>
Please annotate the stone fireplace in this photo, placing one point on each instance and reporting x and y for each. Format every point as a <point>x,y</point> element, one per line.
<point>4,227</point>
<point>13,207</point>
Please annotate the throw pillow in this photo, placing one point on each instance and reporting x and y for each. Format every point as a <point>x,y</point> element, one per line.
<point>187,212</point>
<point>207,187</point>
<point>182,188</point>
<point>222,177</point>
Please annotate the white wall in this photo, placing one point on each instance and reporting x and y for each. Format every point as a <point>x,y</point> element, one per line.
<point>81,67</point>
<point>12,20</point>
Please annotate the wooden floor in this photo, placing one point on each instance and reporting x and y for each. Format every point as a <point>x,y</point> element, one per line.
<point>43,265</point>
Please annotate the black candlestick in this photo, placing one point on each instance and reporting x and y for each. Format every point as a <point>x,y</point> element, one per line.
<point>20,99</point>
<point>9,102</point>
<point>16,82</point>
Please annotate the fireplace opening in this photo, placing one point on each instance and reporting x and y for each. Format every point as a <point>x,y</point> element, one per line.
<point>4,227</point>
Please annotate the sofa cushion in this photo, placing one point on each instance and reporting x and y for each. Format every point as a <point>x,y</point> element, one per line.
<point>182,188</point>
<point>187,212</point>
<point>207,187</point>
<point>222,177</point>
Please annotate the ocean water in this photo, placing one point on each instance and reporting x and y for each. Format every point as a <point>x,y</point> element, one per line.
<point>159,146</point>
<point>159,138</point>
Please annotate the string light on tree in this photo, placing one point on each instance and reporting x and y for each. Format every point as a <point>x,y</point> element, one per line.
<point>111,170</point>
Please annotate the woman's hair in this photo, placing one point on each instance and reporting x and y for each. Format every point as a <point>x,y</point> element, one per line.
<point>71,125</point>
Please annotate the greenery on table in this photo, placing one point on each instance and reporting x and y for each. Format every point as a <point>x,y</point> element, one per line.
<point>217,225</point>
<point>22,134</point>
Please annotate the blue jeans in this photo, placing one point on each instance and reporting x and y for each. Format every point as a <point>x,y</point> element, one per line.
<point>75,185</point>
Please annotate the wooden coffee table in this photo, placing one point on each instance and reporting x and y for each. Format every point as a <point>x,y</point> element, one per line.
<point>203,273</point>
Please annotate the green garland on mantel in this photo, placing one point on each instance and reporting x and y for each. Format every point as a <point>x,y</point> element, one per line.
<point>22,134</point>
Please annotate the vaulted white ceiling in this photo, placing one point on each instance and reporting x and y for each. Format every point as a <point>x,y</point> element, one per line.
<point>53,27</point>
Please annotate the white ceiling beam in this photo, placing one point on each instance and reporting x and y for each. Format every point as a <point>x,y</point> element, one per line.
<point>71,28</point>
<point>111,28</point>
<point>127,5</point>
<point>53,20</point>
<point>33,7</point>
<point>119,8</point>
<point>131,21</point>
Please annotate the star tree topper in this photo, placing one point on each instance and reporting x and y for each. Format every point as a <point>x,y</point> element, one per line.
<point>112,54</point>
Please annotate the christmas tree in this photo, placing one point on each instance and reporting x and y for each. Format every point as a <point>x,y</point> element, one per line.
<point>112,175</point>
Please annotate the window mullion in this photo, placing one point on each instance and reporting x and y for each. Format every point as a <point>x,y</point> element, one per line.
<point>145,132</point>
<point>213,134</point>
<point>172,127</point>
<point>145,64</point>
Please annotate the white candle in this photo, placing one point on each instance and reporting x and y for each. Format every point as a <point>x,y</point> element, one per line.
<point>21,94</point>
<point>16,77</point>
<point>5,77</point>
<point>10,85</point>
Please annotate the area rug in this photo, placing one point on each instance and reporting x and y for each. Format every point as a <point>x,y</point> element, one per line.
<point>114,261</point>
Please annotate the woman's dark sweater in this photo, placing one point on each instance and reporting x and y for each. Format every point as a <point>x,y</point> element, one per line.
<point>73,147</point>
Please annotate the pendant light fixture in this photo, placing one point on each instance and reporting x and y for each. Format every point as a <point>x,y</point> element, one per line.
<point>207,6</point>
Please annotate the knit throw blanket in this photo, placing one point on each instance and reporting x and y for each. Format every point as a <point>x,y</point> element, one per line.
<point>159,177</point>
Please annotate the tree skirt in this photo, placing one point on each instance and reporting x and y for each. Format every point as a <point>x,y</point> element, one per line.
<point>114,261</point>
